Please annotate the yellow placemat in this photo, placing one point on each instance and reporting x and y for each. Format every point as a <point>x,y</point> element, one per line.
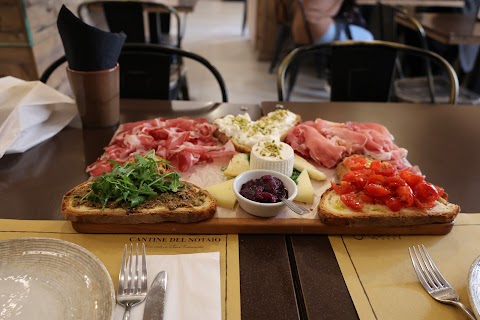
<point>109,249</point>
<point>382,282</point>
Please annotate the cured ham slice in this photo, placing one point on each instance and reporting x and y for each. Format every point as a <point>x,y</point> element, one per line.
<point>183,141</point>
<point>321,148</point>
<point>327,142</point>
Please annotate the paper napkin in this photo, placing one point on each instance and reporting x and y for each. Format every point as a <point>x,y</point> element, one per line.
<point>88,48</point>
<point>193,287</point>
<point>31,112</point>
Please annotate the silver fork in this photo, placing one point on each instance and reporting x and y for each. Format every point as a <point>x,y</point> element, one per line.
<point>433,281</point>
<point>132,283</point>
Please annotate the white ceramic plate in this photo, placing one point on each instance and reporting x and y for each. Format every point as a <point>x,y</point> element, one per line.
<point>474,287</point>
<point>44,278</point>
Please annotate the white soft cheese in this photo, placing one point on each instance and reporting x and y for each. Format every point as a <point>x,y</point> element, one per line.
<point>272,155</point>
<point>248,132</point>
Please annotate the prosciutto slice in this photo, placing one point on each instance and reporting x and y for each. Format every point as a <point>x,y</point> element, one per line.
<point>183,141</point>
<point>327,142</point>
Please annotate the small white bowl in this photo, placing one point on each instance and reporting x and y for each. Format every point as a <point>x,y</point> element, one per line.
<point>257,208</point>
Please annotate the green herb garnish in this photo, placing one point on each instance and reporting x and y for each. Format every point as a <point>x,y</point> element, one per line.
<point>134,182</point>
<point>295,175</point>
<point>223,168</point>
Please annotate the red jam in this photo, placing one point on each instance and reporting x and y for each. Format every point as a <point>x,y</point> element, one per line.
<point>267,189</point>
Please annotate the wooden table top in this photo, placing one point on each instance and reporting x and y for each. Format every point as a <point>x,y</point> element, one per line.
<point>415,3</point>
<point>448,28</point>
<point>282,276</point>
<point>440,139</point>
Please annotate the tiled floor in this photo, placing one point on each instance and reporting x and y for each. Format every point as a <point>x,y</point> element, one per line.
<point>213,30</point>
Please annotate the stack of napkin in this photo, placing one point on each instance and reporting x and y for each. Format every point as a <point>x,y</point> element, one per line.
<point>88,48</point>
<point>30,113</point>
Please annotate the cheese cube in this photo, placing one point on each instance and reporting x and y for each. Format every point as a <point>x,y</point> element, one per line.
<point>305,188</point>
<point>223,193</point>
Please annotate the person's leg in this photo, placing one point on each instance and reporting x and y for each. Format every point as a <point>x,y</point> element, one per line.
<point>358,33</point>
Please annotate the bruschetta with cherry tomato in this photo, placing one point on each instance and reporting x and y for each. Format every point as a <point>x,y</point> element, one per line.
<point>372,192</point>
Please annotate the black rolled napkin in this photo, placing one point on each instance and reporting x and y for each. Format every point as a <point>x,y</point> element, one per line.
<point>88,48</point>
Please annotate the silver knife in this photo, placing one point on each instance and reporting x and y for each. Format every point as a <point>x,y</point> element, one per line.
<point>155,303</point>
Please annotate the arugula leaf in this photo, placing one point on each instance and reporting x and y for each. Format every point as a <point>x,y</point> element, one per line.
<point>134,182</point>
<point>295,175</point>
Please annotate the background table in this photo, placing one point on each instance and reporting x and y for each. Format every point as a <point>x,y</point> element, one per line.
<point>447,28</point>
<point>414,3</point>
<point>180,5</point>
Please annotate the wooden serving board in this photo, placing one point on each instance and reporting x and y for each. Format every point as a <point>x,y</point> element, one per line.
<point>260,226</point>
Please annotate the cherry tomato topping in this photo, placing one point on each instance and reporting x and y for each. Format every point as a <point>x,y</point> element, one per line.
<point>405,194</point>
<point>383,168</point>
<point>352,201</point>
<point>343,187</point>
<point>355,163</point>
<point>376,190</point>
<point>394,182</point>
<point>365,198</point>
<point>376,179</point>
<point>381,183</point>
<point>393,203</point>
<point>421,205</point>
<point>411,178</point>
<point>425,192</point>
<point>357,178</point>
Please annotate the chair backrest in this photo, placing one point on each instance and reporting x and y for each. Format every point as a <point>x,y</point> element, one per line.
<point>145,70</point>
<point>129,17</point>
<point>362,70</point>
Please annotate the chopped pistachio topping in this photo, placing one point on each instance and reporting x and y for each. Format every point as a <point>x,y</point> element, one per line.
<point>241,122</point>
<point>271,149</point>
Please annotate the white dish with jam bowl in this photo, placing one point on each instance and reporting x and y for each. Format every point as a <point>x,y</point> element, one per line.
<point>260,209</point>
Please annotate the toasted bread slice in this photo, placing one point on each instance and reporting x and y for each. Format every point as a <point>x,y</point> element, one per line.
<point>190,204</point>
<point>275,120</point>
<point>332,211</point>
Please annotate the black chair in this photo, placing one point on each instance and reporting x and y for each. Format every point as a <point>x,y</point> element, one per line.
<point>128,16</point>
<point>244,16</point>
<point>283,37</point>
<point>146,71</point>
<point>411,89</point>
<point>362,70</point>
